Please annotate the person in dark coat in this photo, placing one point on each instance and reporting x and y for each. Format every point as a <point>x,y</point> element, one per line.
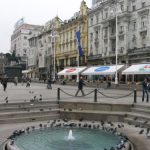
<point>80,87</point>
<point>4,83</point>
<point>49,84</point>
<point>108,82</point>
<point>145,88</point>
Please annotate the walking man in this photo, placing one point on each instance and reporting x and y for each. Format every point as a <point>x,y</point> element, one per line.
<point>49,84</point>
<point>4,83</point>
<point>80,87</point>
<point>145,87</point>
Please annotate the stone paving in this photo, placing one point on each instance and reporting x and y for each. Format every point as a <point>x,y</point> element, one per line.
<point>20,93</point>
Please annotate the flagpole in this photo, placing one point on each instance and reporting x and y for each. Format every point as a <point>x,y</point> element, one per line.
<point>80,51</point>
<point>78,68</point>
<point>78,64</point>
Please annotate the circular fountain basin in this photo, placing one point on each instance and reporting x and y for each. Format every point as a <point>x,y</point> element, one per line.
<point>57,139</point>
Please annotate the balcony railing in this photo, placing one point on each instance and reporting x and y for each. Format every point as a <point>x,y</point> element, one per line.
<point>112,53</point>
<point>94,57</point>
<point>121,32</point>
<point>143,29</point>
<point>139,50</point>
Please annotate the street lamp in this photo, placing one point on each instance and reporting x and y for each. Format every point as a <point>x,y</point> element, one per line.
<point>116,12</point>
<point>54,35</point>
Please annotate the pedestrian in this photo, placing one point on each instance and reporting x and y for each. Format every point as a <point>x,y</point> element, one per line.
<point>4,83</point>
<point>108,82</point>
<point>16,80</point>
<point>49,84</point>
<point>80,87</point>
<point>145,88</point>
<point>28,82</point>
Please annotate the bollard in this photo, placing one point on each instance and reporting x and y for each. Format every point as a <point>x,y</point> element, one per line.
<point>135,96</point>
<point>95,95</point>
<point>58,94</point>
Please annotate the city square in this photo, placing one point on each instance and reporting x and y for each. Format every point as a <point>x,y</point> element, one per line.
<point>75,75</point>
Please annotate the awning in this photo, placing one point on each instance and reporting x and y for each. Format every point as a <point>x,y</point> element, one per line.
<point>102,70</point>
<point>71,71</point>
<point>138,69</point>
<point>26,71</point>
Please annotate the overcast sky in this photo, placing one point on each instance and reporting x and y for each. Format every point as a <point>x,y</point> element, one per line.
<point>34,12</point>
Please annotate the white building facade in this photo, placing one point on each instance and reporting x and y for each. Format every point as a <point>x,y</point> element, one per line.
<point>41,50</point>
<point>19,39</point>
<point>133,32</point>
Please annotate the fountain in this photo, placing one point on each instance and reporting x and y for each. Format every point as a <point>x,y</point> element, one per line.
<point>70,137</point>
<point>54,138</point>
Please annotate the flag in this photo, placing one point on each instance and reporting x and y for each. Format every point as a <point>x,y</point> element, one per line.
<point>80,51</point>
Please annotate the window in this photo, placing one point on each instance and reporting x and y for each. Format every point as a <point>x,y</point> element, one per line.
<point>121,29</point>
<point>97,19</point>
<point>105,32</point>
<point>122,7</point>
<point>91,50</point>
<point>106,48</point>
<point>91,37</point>
<point>121,49</point>
<point>96,34</point>
<point>133,7</point>
<point>25,37</point>
<point>91,21</point>
<point>70,34</point>
<point>143,4</point>
<point>106,15</point>
<point>134,26</point>
<point>144,21</point>
<point>143,45</point>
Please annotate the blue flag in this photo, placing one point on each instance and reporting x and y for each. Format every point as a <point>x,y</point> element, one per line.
<point>81,53</point>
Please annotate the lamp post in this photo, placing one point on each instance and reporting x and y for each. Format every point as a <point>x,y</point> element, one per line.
<point>116,52</point>
<point>117,11</point>
<point>54,35</point>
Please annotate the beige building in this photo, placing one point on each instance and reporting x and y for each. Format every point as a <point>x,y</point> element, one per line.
<point>66,46</point>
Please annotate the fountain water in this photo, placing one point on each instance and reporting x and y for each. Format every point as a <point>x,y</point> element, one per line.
<point>70,137</point>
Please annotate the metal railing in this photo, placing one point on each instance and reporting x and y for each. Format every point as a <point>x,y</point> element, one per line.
<point>96,92</point>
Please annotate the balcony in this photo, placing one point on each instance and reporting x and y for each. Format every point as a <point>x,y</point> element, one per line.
<point>121,51</point>
<point>121,32</point>
<point>125,14</point>
<point>138,50</point>
<point>96,41</point>
<point>113,35</point>
<point>105,36</point>
<point>143,29</point>
<point>95,57</point>
<point>112,53</point>
<point>66,54</point>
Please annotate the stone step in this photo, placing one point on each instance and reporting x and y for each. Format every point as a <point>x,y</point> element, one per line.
<point>140,123</point>
<point>137,116</point>
<point>19,114</point>
<point>142,106</point>
<point>28,107</point>
<point>29,119</point>
<point>92,115</point>
<point>141,111</point>
<point>23,104</point>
